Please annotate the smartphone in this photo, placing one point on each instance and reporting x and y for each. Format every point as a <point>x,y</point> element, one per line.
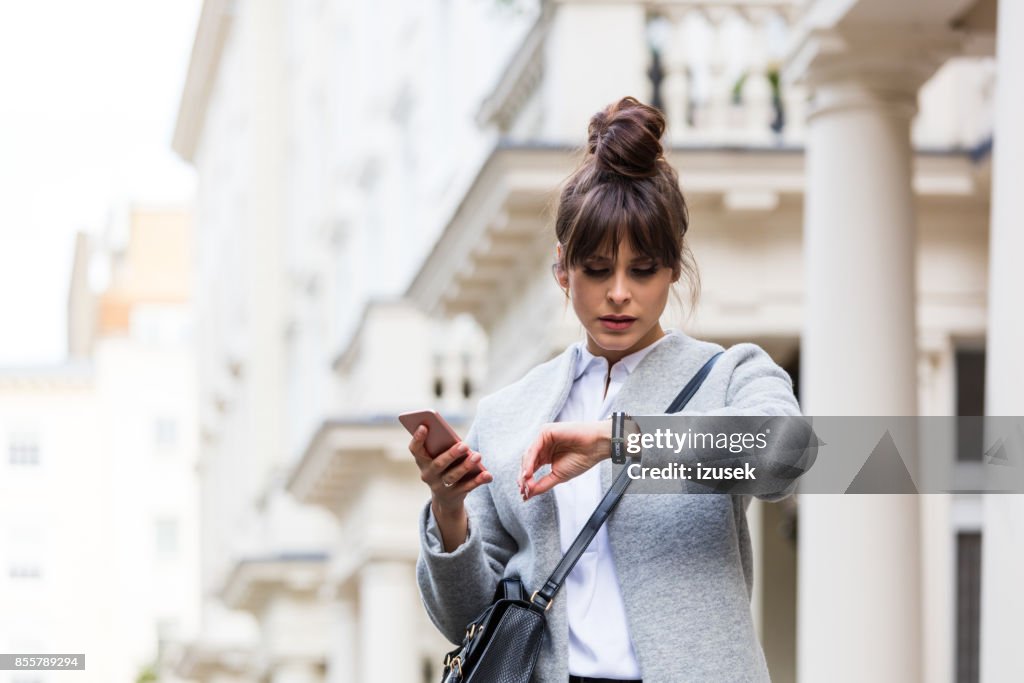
<point>440,435</point>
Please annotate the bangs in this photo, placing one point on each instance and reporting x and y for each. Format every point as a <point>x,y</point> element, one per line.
<point>613,211</point>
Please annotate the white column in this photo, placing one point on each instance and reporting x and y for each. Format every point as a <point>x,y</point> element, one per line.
<point>719,93</point>
<point>1002,542</point>
<point>938,556</point>
<point>260,238</point>
<point>859,332</point>
<point>295,628</point>
<point>388,604</point>
<point>343,652</point>
<point>936,393</point>
<point>675,87</point>
<point>757,89</point>
<point>859,615</point>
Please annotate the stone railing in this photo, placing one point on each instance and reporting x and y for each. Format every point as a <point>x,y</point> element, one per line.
<point>715,70</point>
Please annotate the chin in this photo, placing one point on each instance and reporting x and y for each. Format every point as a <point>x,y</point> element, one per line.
<point>614,342</point>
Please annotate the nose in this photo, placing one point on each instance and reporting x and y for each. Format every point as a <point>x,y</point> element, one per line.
<point>618,288</point>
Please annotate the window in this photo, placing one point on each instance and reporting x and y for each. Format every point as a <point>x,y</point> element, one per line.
<point>24,571</point>
<point>438,376</point>
<point>968,606</point>
<point>165,432</point>
<point>467,373</point>
<point>158,325</point>
<point>793,368</point>
<point>970,401</point>
<point>23,449</point>
<point>26,548</point>
<point>166,537</point>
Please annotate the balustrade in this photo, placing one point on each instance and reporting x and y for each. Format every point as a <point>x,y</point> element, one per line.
<point>716,71</point>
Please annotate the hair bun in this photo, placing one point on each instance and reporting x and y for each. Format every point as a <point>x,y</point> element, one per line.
<point>625,138</point>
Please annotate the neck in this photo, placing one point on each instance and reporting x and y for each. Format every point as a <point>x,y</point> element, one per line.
<point>614,356</point>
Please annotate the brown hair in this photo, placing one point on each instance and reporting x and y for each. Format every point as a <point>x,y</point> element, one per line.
<point>624,187</point>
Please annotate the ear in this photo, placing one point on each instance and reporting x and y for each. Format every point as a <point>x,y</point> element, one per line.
<point>561,275</point>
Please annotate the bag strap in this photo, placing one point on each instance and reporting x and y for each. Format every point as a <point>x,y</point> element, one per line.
<point>545,595</point>
<point>510,588</point>
<point>693,385</point>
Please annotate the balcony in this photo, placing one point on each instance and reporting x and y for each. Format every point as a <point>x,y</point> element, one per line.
<point>712,66</point>
<point>255,580</point>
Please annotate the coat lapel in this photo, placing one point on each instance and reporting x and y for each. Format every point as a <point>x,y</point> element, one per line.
<point>540,514</point>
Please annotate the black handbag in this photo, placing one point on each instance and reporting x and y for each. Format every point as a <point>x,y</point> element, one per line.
<point>503,643</point>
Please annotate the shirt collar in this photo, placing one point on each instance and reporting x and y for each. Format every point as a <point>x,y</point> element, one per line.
<point>584,358</point>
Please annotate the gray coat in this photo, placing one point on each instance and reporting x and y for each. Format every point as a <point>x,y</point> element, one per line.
<point>683,561</point>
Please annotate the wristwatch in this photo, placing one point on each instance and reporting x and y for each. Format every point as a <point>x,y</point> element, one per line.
<point>619,437</point>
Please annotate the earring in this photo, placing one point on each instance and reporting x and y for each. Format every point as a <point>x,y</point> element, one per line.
<point>555,269</point>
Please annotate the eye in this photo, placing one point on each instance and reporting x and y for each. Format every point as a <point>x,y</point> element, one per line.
<point>595,272</point>
<point>645,272</point>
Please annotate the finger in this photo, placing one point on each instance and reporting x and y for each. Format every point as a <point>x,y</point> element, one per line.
<point>542,485</point>
<point>456,472</point>
<point>458,482</point>
<point>418,444</point>
<point>443,461</point>
<point>419,452</point>
<point>463,487</point>
<point>526,466</point>
<point>534,456</point>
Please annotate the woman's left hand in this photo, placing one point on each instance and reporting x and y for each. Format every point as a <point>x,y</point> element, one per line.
<point>571,448</point>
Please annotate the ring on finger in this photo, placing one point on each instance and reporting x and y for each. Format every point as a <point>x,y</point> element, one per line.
<point>447,485</point>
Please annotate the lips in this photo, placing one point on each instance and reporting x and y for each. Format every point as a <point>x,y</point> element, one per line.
<point>616,322</point>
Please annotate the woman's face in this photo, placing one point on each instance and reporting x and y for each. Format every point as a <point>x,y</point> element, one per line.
<point>620,301</point>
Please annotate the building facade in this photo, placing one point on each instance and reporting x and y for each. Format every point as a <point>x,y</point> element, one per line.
<point>374,235</point>
<point>98,493</point>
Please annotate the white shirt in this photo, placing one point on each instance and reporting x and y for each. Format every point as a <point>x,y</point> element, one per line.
<point>599,641</point>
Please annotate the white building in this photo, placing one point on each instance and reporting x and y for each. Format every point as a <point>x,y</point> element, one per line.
<point>379,175</point>
<point>98,493</point>
<point>279,136</point>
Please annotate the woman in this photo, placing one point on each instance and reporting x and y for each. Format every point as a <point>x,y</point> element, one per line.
<point>663,591</point>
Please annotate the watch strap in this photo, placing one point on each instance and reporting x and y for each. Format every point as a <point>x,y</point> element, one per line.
<point>618,438</point>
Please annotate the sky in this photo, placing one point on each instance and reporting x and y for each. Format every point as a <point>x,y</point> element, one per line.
<point>89,93</point>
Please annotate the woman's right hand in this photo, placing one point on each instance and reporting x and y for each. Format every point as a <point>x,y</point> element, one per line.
<point>449,484</point>
<point>447,479</point>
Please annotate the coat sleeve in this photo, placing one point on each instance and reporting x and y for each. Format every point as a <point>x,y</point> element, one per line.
<point>456,587</point>
<point>757,387</point>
